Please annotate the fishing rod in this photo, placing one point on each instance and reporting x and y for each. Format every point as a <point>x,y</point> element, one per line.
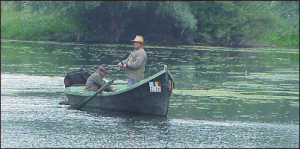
<point>154,69</point>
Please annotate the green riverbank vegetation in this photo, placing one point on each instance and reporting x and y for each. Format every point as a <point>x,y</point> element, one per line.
<point>210,23</point>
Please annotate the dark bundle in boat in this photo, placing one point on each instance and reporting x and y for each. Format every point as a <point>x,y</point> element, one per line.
<point>76,77</point>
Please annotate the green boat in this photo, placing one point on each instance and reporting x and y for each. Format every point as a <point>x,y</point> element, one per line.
<point>150,96</point>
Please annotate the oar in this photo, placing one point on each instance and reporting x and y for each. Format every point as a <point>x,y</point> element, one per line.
<point>83,103</point>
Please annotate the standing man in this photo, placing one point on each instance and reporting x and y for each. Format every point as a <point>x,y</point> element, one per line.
<point>95,81</point>
<point>135,63</point>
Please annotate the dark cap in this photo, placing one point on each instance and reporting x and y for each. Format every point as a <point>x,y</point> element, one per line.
<point>103,67</point>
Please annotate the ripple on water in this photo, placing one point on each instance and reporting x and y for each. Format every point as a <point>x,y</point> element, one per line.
<point>231,98</point>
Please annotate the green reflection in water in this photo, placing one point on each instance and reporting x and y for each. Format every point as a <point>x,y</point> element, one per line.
<point>220,83</point>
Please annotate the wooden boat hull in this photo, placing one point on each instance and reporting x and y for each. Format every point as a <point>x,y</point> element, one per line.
<point>150,96</point>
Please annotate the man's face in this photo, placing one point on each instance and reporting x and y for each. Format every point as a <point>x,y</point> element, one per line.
<point>102,73</point>
<point>137,45</point>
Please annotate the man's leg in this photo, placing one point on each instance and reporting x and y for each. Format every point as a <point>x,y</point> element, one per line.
<point>131,82</point>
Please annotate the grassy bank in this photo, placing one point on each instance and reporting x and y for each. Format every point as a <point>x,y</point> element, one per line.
<point>25,25</point>
<point>290,38</point>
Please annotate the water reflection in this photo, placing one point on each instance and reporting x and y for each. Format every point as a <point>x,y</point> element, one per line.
<point>218,83</point>
<point>138,128</point>
<point>233,112</point>
<point>135,123</point>
<point>212,108</point>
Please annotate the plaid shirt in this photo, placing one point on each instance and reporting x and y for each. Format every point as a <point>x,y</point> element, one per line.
<point>136,62</point>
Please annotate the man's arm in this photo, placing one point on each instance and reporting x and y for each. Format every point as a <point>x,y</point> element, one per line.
<point>139,61</point>
<point>100,82</point>
<point>126,60</point>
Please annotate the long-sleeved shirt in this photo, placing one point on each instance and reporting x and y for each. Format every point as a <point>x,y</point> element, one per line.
<point>95,82</point>
<point>136,62</point>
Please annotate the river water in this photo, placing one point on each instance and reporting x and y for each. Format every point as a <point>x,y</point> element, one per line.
<point>223,97</point>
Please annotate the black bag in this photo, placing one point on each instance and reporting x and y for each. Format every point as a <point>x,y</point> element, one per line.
<point>77,77</point>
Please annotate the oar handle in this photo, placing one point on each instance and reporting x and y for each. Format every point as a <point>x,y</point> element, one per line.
<point>83,103</point>
<point>108,83</point>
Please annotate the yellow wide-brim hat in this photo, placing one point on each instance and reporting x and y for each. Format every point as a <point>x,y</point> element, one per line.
<point>139,38</point>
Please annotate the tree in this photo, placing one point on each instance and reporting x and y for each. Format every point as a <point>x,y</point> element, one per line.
<point>288,22</point>
<point>180,13</point>
<point>212,22</point>
<point>287,10</point>
<point>18,5</point>
<point>230,22</point>
<point>117,16</point>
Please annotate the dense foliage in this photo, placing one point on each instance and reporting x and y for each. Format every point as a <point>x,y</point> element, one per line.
<point>226,23</point>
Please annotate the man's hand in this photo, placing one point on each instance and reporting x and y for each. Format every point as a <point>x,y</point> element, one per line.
<point>113,88</point>
<point>120,64</point>
<point>124,66</point>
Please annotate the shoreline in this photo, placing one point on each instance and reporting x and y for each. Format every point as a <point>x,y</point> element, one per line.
<point>121,44</point>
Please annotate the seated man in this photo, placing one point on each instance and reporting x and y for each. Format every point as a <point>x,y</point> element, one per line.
<point>95,82</point>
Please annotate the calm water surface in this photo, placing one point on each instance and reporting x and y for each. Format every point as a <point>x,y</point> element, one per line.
<point>224,97</point>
